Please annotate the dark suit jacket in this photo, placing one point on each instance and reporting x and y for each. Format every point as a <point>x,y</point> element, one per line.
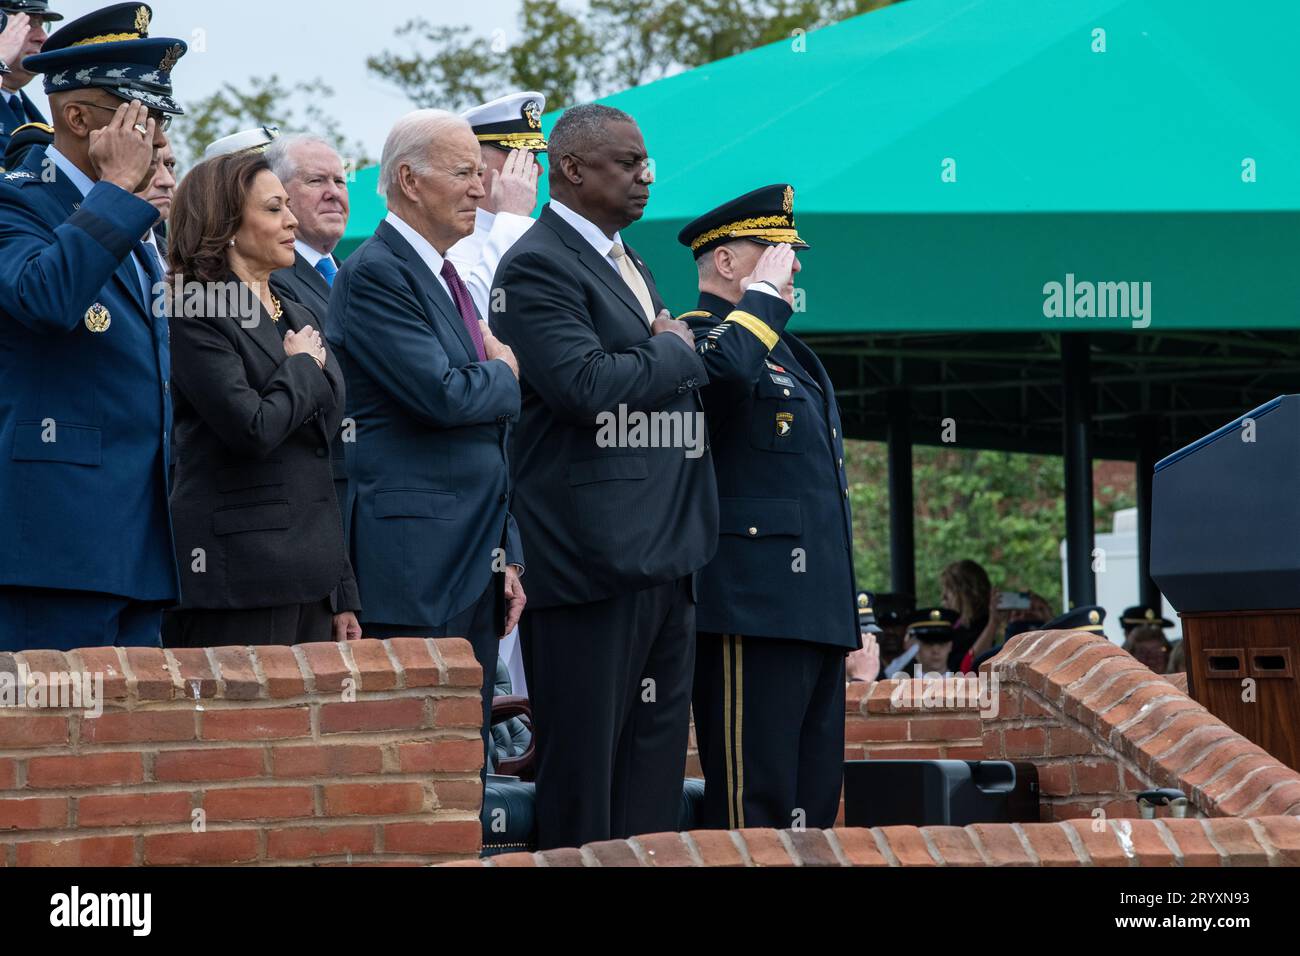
<point>254,487</point>
<point>599,522</point>
<point>7,126</point>
<point>302,284</point>
<point>778,447</point>
<point>85,411</point>
<point>429,479</point>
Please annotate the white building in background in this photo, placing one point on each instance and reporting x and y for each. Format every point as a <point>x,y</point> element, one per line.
<point>1117,586</point>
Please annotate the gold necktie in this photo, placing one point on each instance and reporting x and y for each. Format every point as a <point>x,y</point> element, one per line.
<point>632,276</point>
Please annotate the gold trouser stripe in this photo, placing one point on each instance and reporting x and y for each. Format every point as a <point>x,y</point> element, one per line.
<point>740,730</point>
<point>757,326</point>
<point>726,728</point>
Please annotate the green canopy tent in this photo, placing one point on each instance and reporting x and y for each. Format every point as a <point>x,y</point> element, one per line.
<point>951,160</point>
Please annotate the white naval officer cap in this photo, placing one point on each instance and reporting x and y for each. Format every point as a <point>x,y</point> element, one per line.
<point>245,141</point>
<point>513,121</point>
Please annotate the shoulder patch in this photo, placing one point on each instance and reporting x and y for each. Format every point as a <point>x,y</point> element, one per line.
<point>18,174</point>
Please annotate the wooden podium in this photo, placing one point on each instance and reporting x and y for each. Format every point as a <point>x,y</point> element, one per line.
<point>1234,656</point>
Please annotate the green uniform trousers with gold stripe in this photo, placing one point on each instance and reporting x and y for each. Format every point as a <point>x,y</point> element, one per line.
<point>769,723</point>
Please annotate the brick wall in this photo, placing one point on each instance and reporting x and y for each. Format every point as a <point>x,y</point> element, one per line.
<point>1099,726</point>
<point>359,753</point>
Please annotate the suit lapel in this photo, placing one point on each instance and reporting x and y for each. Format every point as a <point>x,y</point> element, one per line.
<point>594,261</point>
<point>432,290</point>
<point>313,280</point>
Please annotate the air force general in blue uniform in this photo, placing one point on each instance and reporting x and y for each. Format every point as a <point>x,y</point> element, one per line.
<point>777,610</point>
<point>86,553</point>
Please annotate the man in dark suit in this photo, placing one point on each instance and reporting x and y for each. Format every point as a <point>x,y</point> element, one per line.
<point>313,175</point>
<point>16,107</point>
<point>433,395</point>
<point>615,529</point>
<point>778,608</point>
<point>86,554</point>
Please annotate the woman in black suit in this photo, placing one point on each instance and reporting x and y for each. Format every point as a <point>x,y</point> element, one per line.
<point>257,396</point>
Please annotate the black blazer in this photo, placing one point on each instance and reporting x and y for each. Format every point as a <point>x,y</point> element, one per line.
<point>598,521</point>
<point>302,284</point>
<point>255,518</point>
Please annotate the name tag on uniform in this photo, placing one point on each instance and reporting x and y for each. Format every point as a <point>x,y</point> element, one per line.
<point>785,380</point>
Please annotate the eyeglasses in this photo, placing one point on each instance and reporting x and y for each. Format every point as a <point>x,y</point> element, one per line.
<point>162,120</point>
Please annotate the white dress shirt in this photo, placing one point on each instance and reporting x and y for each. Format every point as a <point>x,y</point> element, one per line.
<point>477,256</point>
<point>311,255</point>
<point>431,257</point>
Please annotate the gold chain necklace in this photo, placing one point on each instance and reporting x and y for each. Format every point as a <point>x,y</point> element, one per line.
<point>279,310</point>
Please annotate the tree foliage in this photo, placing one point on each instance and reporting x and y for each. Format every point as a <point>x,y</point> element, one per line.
<point>572,56</point>
<point>1004,510</point>
<point>268,101</point>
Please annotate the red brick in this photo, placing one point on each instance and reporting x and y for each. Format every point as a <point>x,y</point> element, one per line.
<point>1189,836</point>
<point>888,752</point>
<point>666,849</point>
<point>458,712</point>
<point>1001,844</point>
<point>908,845</point>
<point>458,658</point>
<point>1278,801</point>
<point>8,774</point>
<point>139,727</point>
<point>458,794</point>
<point>1055,779</point>
<point>964,752</point>
<point>716,848</point>
<point>259,803</point>
<point>339,760</point>
<point>1252,789</point>
<point>962,728</point>
<point>246,723</point>
<point>1067,674</point>
<point>364,799</point>
<point>1237,840</point>
<point>765,848</point>
<point>153,679</point>
<point>46,662</point>
<point>1031,707</point>
<point>1143,838</point>
<point>614,853</point>
<point>1024,741</point>
<point>566,857</point>
<point>1103,848</point>
<point>302,843</point>
<point>1051,845</point>
<point>509,860</point>
<point>1096,776</point>
<point>441,756</point>
<point>1009,703</point>
<point>859,847</point>
<point>91,851</point>
<point>238,677</point>
<point>125,810</point>
<point>419,668</point>
<point>226,764</point>
<point>282,670</point>
<point>45,813</point>
<point>954,846</point>
<point>105,661</point>
<point>20,728</point>
<point>214,846</point>
<point>1169,736</point>
<point>1284,834</point>
<point>812,848</point>
<point>374,669</point>
<point>193,667</point>
<point>439,837</point>
<point>1081,700</point>
<point>1067,742</point>
<point>325,663</point>
<point>1106,722</point>
<point>371,715</point>
<point>90,770</point>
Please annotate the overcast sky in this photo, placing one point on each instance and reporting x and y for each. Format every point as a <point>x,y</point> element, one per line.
<point>302,40</point>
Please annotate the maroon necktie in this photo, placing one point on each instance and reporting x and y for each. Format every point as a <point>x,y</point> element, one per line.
<point>466,306</point>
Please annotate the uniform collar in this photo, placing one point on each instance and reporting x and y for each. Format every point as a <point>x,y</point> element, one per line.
<point>716,305</point>
<point>74,175</point>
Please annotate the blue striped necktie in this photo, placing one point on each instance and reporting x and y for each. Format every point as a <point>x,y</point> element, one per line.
<point>326,267</point>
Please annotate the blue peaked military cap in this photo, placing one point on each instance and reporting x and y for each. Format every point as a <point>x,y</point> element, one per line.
<point>1087,617</point>
<point>111,50</point>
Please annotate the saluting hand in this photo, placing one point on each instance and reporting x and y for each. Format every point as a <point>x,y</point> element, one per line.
<point>120,153</point>
<point>514,189</point>
<point>13,38</point>
<point>775,265</point>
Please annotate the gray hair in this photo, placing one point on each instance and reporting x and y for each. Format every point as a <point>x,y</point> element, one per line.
<point>280,153</point>
<point>408,144</point>
<point>580,128</point>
